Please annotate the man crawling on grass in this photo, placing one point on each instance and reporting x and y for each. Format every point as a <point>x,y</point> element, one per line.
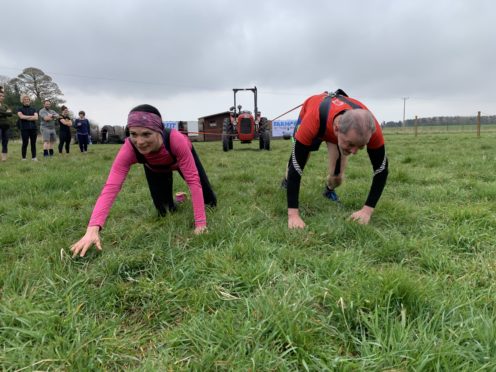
<point>346,125</point>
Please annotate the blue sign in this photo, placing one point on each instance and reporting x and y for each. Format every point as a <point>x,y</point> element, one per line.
<point>281,127</point>
<point>170,124</point>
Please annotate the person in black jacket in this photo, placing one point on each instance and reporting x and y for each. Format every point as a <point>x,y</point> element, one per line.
<point>27,122</point>
<point>5,112</point>
<point>65,124</point>
<point>83,131</point>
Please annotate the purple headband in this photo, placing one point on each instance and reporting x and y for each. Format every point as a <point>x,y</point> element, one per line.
<point>145,120</point>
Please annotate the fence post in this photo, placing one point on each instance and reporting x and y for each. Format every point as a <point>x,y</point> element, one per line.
<point>416,125</point>
<point>478,123</point>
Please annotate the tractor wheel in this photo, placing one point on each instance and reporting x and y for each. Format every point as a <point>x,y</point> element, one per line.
<point>225,143</point>
<point>265,140</point>
<point>263,127</point>
<point>227,139</point>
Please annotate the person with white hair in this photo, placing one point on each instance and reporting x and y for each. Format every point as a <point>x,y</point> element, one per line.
<point>346,125</point>
<point>27,124</point>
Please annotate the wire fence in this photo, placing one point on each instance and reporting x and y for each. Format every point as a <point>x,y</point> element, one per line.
<point>481,126</point>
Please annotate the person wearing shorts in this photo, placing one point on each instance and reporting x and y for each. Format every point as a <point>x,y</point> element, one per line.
<point>47,126</point>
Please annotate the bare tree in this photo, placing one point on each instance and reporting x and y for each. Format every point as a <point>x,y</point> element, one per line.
<point>39,86</point>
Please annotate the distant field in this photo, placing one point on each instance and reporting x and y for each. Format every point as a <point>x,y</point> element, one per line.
<point>414,290</point>
<point>445,129</point>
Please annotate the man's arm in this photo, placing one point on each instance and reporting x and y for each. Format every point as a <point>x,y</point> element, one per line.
<point>380,165</point>
<point>33,117</point>
<point>379,162</point>
<point>21,115</point>
<point>45,114</point>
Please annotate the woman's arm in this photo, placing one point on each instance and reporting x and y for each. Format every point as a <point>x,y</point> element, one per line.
<point>67,122</point>
<point>181,148</point>
<point>120,168</point>
<point>118,173</point>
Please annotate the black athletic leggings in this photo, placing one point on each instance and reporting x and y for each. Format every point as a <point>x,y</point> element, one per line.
<point>28,135</point>
<point>4,133</point>
<point>160,185</point>
<point>83,142</point>
<point>64,138</point>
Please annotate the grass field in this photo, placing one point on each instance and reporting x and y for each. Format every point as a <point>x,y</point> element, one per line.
<point>468,129</point>
<point>414,290</point>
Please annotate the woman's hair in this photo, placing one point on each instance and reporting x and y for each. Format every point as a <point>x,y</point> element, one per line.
<point>62,108</point>
<point>147,108</point>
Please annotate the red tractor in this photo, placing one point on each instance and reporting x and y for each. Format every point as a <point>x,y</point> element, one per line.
<point>245,126</point>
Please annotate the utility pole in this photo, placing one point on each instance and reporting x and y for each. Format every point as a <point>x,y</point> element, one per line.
<point>478,123</point>
<point>404,109</point>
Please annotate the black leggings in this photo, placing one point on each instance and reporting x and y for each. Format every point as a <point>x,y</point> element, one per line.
<point>64,138</point>
<point>28,135</point>
<point>160,185</point>
<point>296,164</point>
<point>4,133</point>
<point>83,142</point>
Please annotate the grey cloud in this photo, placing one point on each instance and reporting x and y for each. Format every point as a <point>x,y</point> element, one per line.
<point>166,48</point>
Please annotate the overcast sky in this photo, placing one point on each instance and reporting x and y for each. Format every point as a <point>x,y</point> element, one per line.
<point>185,56</point>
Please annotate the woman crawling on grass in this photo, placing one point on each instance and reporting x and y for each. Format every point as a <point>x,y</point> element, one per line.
<point>161,151</point>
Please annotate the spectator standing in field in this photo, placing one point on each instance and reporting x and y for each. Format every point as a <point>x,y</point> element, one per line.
<point>82,131</point>
<point>27,124</point>
<point>5,113</point>
<point>65,124</point>
<point>161,151</point>
<point>346,125</point>
<point>47,127</point>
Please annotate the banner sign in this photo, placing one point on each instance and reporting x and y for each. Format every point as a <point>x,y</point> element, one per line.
<point>170,124</point>
<point>280,127</point>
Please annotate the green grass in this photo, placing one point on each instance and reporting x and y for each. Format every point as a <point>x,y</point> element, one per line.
<point>413,290</point>
<point>487,129</point>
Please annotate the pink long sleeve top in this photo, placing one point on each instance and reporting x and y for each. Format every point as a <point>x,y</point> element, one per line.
<point>181,148</point>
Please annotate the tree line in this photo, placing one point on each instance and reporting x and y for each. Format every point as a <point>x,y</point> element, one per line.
<point>442,121</point>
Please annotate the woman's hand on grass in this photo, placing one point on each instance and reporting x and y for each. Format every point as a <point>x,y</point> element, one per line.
<point>92,237</point>
<point>200,230</point>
